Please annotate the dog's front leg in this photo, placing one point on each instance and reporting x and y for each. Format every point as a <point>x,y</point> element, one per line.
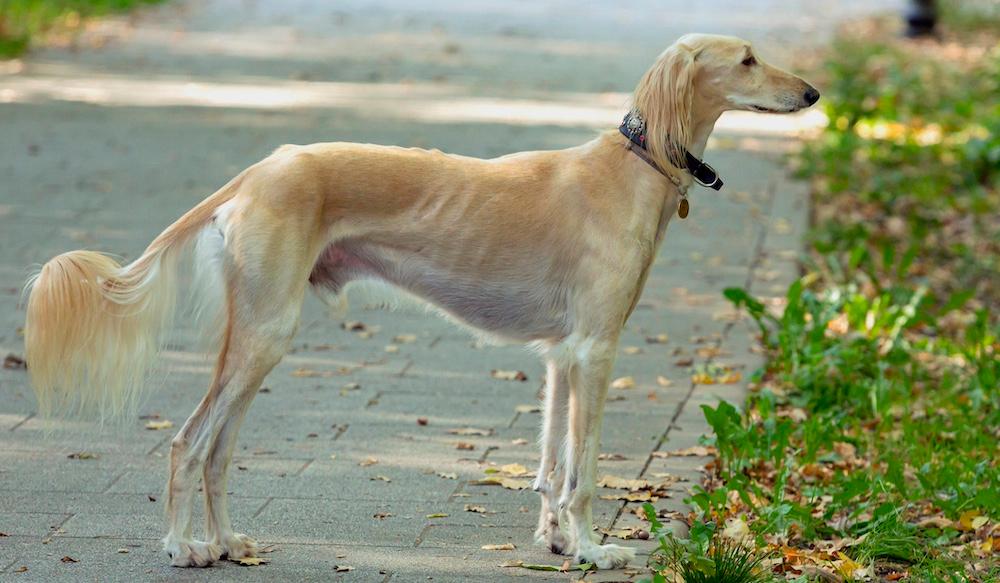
<point>552,469</point>
<point>588,387</point>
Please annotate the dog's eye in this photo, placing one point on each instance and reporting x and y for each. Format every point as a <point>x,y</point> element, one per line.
<point>750,61</point>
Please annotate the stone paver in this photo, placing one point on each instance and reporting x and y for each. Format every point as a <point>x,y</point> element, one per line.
<point>103,147</point>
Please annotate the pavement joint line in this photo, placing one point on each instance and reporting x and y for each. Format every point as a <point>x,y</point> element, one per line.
<point>308,463</point>
<point>263,507</point>
<point>341,429</point>
<point>406,367</point>
<point>114,481</point>
<point>374,400</point>
<point>55,529</point>
<point>159,444</point>
<point>420,535</point>
<point>513,420</point>
<point>435,341</point>
<point>27,418</point>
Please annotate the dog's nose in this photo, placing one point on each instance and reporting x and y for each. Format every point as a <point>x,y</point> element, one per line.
<point>811,96</point>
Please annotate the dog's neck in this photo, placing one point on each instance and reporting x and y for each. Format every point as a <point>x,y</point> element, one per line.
<point>633,127</point>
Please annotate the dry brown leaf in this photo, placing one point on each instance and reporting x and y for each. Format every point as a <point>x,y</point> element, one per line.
<point>509,375</point>
<point>509,483</point>
<point>343,568</point>
<point>465,445</point>
<point>448,475</point>
<point>527,409</point>
<point>663,381</point>
<point>404,338</point>
<point>69,559</point>
<point>519,441</point>
<point>476,509</point>
<point>14,362</point>
<point>631,350</point>
<point>83,455</point>
<point>623,383</point>
<point>695,450</point>
<point>156,425</point>
<point>309,373</point>
<point>382,478</point>
<point>642,496</point>
<point>501,547</point>
<point>657,339</point>
<point>619,483</point>
<point>251,561</point>
<point>382,515</point>
<point>368,461</point>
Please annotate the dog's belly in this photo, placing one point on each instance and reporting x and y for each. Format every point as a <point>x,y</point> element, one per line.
<point>521,308</point>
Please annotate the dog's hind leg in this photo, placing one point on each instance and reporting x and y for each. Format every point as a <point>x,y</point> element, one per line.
<point>552,470</point>
<point>588,387</point>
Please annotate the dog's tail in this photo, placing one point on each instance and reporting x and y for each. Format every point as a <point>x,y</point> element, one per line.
<point>94,328</point>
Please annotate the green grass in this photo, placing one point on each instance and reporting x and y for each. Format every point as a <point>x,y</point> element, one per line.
<point>871,438</point>
<point>23,22</point>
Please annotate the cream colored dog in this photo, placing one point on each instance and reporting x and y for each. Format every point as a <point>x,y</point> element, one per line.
<point>547,248</point>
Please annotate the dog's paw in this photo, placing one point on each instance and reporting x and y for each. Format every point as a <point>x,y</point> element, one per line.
<point>237,546</point>
<point>552,537</point>
<point>605,556</point>
<point>192,553</point>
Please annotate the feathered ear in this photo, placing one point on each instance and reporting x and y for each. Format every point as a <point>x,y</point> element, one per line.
<point>664,98</point>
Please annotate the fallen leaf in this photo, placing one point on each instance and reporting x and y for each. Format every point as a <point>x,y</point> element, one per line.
<point>664,381</point>
<point>21,569</point>
<point>155,425</point>
<point>342,568</point>
<point>382,478</point>
<point>391,348</point>
<point>404,338</point>
<point>519,441</point>
<point>614,457</point>
<point>123,551</point>
<point>509,483</point>
<point>695,450</point>
<point>476,509</point>
<point>623,383</point>
<point>251,561</point>
<point>514,470</point>
<point>69,559</point>
<point>684,362</point>
<point>310,373</point>
<point>658,339</point>
<point>14,362</point>
<point>527,409</point>
<point>642,496</point>
<point>470,431</point>
<point>509,375</point>
<point>83,455</point>
<point>368,461</point>
<point>354,326</point>
<point>616,482</point>
<point>632,350</point>
<point>503,547</point>
<point>464,445</point>
<point>448,475</point>
<point>382,515</point>
<point>438,515</point>
<point>847,566</point>
<point>421,421</point>
<point>622,533</point>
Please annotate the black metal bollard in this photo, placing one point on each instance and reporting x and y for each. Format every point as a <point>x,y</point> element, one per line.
<point>921,18</point>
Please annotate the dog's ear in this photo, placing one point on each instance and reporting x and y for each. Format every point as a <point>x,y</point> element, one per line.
<point>665,99</point>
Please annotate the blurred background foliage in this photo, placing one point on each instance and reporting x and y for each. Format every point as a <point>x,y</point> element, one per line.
<point>25,21</point>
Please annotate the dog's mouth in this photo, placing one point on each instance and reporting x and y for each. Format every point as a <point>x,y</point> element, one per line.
<point>762,109</point>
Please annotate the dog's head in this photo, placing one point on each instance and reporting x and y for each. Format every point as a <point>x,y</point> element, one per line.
<point>701,76</point>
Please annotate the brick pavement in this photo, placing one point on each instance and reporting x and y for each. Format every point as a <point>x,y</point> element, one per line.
<point>109,164</point>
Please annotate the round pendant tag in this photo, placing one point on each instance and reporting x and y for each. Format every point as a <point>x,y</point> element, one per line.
<point>682,210</point>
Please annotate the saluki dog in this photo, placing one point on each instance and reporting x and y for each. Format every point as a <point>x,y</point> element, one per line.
<point>549,249</point>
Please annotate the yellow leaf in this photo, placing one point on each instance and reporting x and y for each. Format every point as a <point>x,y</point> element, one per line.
<point>623,383</point>
<point>968,518</point>
<point>509,375</point>
<point>503,547</point>
<point>251,561</point>
<point>438,515</point>
<point>847,567</point>
<point>514,470</point>
<point>509,483</point>
<point>155,425</point>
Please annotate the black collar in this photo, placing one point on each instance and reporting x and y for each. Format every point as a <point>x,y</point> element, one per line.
<point>634,128</point>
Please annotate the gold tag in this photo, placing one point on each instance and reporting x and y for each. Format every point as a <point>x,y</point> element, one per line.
<point>682,210</point>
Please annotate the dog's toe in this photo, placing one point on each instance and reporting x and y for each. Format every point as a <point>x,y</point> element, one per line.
<point>606,556</point>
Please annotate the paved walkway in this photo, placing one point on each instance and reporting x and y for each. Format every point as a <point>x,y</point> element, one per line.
<point>352,447</point>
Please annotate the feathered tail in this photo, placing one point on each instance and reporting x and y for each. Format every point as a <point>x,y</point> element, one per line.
<point>94,328</point>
